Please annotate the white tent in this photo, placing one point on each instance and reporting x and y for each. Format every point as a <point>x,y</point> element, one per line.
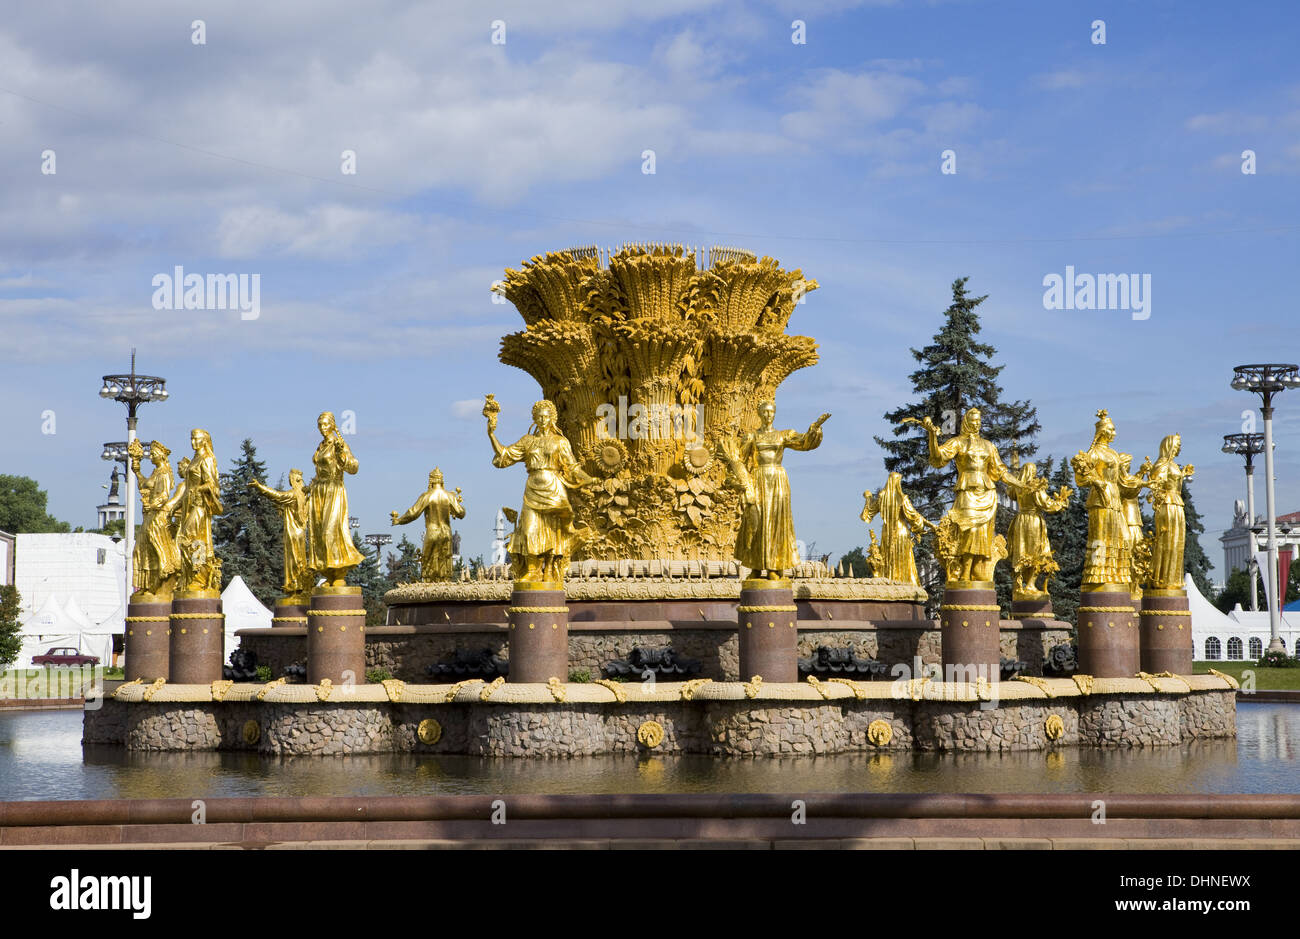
<point>54,625</point>
<point>1223,636</point>
<point>243,611</point>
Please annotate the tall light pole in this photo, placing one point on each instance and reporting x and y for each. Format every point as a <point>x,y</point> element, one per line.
<point>1266,381</point>
<point>1248,445</point>
<point>378,541</point>
<point>132,390</point>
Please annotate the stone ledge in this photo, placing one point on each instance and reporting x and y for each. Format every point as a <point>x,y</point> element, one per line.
<point>473,691</point>
<point>652,588</point>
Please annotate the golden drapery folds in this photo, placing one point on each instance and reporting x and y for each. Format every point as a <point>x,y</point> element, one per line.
<point>766,542</point>
<point>292,505</point>
<point>1030,550</point>
<point>1109,556</point>
<point>967,539</point>
<point>330,552</point>
<point>544,536</point>
<point>1166,479</point>
<point>195,502</point>
<point>155,562</point>
<point>439,507</point>
<point>900,523</point>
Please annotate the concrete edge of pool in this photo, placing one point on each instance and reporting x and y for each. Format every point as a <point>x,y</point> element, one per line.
<point>1049,821</point>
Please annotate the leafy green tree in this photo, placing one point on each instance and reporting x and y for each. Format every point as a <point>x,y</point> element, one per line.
<point>11,642</point>
<point>1236,589</point>
<point>22,507</point>
<point>247,535</point>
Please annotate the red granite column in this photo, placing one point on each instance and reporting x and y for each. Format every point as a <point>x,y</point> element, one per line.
<point>1108,634</point>
<point>767,620</point>
<point>197,643</point>
<point>336,636</point>
<point>1035,608</point>
<point>970,631</point>
<point>1166,631</point>
<point>290,612</point>
<point>539,633</point>
<point>148,637</point>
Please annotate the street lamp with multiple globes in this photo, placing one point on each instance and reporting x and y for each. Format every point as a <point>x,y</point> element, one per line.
<point>378,541</point>
<point>132,390</point>
<point>1248,445</point>
<point>1267,381</point>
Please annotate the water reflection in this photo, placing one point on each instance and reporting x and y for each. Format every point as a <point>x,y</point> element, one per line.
<point>41,757</point>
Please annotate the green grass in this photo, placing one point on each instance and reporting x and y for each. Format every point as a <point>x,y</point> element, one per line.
<point>1266,679</point>
<point>22,683</point>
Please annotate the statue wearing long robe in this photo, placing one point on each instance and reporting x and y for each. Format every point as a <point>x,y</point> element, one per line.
<point>330,550</point>
<point>155,560</point>
<point>1167,478</point>
<point>292,505</point>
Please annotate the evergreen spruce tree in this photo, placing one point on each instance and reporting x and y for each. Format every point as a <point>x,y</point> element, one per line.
<point>1067,531</point>
<point>404,563</point>
<point>248,534</point>
<point>11,640</point>
<point>368,576</point>
<point>956,374</point>
<point>1195,560</point>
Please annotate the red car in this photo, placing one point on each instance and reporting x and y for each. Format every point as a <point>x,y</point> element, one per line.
<point>64,656</point>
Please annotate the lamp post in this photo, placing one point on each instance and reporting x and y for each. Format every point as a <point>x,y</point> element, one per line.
<point>1248,445</point>
<point>378,541</point>
<point>132,390</point>
<point>1267,381</point>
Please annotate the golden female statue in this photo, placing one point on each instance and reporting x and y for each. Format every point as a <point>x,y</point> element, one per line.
<point>765,543</point>
<point>292,503</point>
<point>900,523</point>
<point>155,561</point>
<point>195,502</point>
<point>967,536</point>
<point>544,535</point>
<point>330,552</point>
<point>1109,557</point>
<point>1031,552</point>
<point>439,507</point>
<point>1166,480</point>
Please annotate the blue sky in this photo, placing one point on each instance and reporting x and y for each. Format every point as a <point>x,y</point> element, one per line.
<point>225,158</point>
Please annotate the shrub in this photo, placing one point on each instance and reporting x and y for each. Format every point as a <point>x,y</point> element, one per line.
<point>376,675</point>
<point>264,673</point>
<point>580,676</point>
<point>1278,660</point>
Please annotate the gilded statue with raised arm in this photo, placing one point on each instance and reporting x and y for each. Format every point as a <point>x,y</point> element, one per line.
<point>967,542</point>
<point>1166,482</point>
<point>1031,552</point>
<point>1108,560</point>
<point>894,556</point>
<point>292,505</point>
<point>155,562</point>
<point>544,536</point>
<point>330,551</point>
<point>766,543</point>
<point>196,500</point>
<point>439,507</point>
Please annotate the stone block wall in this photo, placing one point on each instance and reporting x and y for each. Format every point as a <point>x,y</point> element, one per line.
<point>766,727</point>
